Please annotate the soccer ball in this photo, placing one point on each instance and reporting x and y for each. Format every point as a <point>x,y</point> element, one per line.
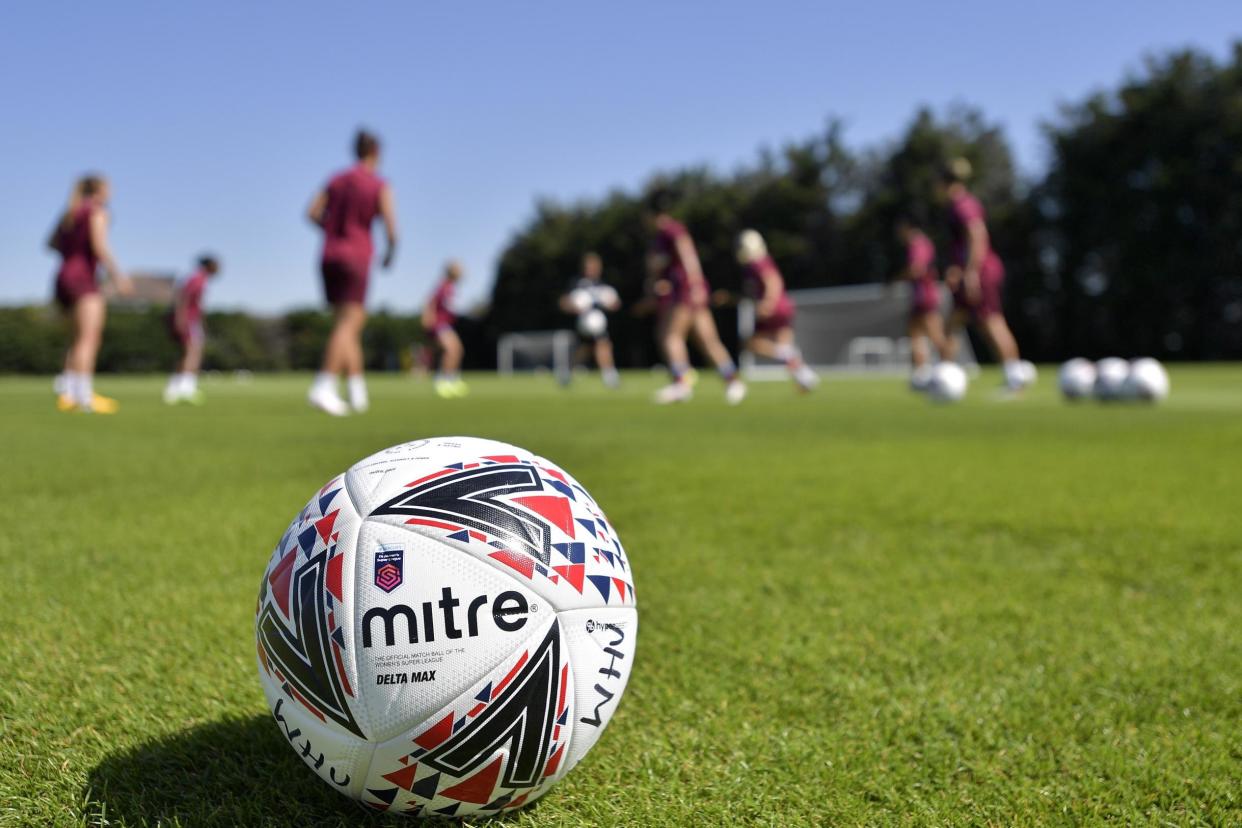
<point>1110,378</point>
<point>1147,380</point>
<point>593,323</point>
<point>580,300</point>
<point>1077,379</point>
<point>948,382</point>
<point>1029,372</point>
<point>446,628</point>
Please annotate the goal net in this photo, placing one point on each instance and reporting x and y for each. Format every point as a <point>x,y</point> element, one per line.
<point>536,351</point>
<point>859,328</point>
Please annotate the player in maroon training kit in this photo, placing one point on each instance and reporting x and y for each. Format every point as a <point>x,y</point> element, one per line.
<point>976,277</point>
<point>81,239</point>
<point>185,324</point>
<point>345,210</point>
<point>774,310</point>
<point>925,320</point>
<point>438,319</point>
<point>681,292</point>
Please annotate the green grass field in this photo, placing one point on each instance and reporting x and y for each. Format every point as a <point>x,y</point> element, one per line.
<point>856,608</point>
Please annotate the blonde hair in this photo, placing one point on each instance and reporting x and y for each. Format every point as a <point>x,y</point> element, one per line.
<point>85,187</point>
<point>750,246</point>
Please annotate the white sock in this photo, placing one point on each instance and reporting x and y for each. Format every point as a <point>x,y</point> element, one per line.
<point>80,388</point>
<point>189,383</point>
<point>785,352</point>
<point>324,383</point>
<point>60,383</point>
<point>1015,374</point>
<point>174,385</point>
<point>357,390</point>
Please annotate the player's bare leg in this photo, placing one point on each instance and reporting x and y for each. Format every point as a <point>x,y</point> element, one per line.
<point>604,359</point>
<point>343,353</point>
<point>184,382</point>
<point>781,347</point>
<point>952,336</point>
<point>672,329</point>
<point>448,380</point>
<point>920,331</point>
<point>89,314</point>
<point>708,340</point>
<point>996,330</point>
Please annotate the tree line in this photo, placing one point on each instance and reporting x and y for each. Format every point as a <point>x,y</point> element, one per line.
<point>1130,243</point>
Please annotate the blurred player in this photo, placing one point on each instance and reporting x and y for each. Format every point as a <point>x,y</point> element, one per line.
<point>345,210</point>
<point>676,280</point>
<point>438,319</point>
<point>925,321</point>
<point>590,300</point>
<point>185,323</point>
<point>976,276</point>
<point>81,239</point>
<point>774,310</point>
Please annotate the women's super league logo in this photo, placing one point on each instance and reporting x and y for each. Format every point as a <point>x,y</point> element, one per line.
<point>389,568</point>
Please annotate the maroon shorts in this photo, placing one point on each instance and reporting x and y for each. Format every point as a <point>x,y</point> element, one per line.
<point>781,318</point>
<point>924,297</point>
<point>71,286</point>
<point>193,331</point>
<point>344,282</point>
<point>991,280</point>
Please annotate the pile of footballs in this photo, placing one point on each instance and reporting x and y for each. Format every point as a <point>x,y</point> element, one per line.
<point>1114,380</point>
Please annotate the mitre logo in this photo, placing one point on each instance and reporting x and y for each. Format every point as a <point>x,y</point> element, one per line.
<point>389,568</point>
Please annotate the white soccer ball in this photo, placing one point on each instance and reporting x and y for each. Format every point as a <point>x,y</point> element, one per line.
<point>1147,380</point>
<point>593,323</point>
<point>948,382</point>
<point>1110,378</point>
<point>1077,379</point>
<point>580,300</point>
<point>446,628</point>
<point>1029,372</point>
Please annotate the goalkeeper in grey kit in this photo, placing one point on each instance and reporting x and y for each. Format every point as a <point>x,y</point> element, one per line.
<point>590,300</point>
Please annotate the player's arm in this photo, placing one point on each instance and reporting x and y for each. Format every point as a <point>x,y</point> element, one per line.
<point>388,214</point>
<point>976,249</point>
<point>429,311</point>
<point>689,258</point>
<point>566,304</point>
<point>317,207</point>
<point>99,245</point>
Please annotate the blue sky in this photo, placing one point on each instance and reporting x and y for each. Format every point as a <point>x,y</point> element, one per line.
<point>217,122</point>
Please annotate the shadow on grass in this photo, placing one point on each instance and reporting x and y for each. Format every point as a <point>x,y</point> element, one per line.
<point>234,772</point>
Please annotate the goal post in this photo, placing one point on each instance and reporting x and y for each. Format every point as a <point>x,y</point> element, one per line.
<point>536,351</point>
<point>854,328</point>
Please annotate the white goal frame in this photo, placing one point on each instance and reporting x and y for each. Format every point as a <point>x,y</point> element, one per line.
<point>559,344</point>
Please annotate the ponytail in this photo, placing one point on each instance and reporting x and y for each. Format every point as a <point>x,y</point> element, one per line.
<point>84,188</point>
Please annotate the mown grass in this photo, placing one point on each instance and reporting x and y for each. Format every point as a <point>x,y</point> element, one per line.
<point>856,608</point>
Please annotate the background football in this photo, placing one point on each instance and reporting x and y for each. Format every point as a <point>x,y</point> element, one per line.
<point>1110,378</point>
<point>1077,379</point>
<point>446,628</point>
<point>1147,380</point>
<point>593,323</point>
<point>948,382</point>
